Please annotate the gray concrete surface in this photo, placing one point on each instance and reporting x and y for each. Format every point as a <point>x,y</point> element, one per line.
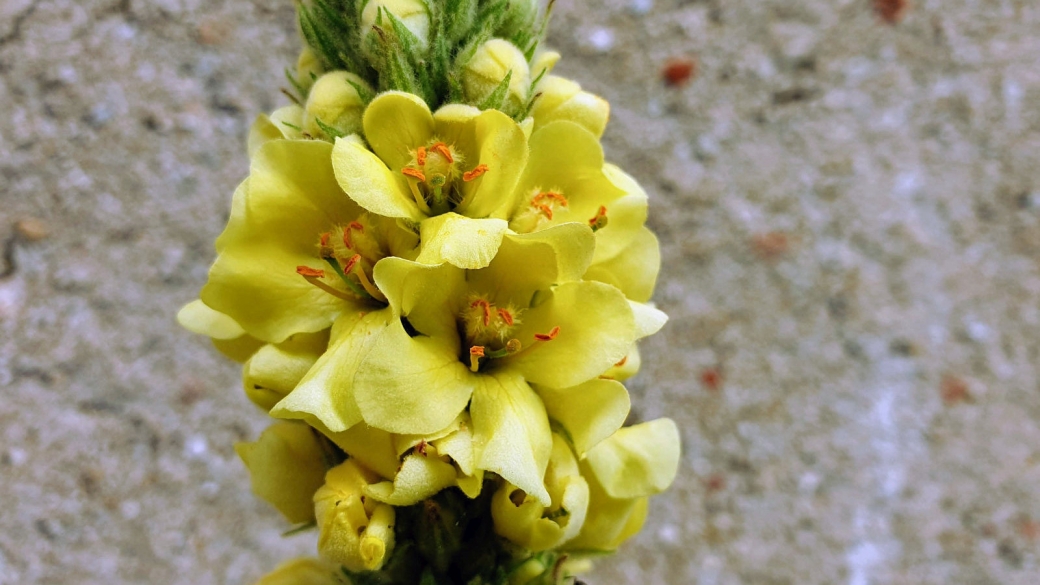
<point>850,220</point>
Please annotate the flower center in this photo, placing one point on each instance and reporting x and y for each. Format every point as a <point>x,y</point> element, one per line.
<point>351,251</point>
<point>542,207</point>
<point>433,175</point>
<point>489,328</point>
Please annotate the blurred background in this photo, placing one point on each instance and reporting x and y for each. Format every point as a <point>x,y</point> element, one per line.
<point>848,199</point>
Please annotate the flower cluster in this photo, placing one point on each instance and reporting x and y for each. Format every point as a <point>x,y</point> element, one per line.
<point>439,308</point>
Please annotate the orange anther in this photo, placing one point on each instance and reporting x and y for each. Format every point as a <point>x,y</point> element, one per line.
<point>623,361</point>
<point>548,336</point>
<point>444,151</point>
<point>413,173</point>
<point>545,209</point>
<point>347,241</point>
<point>351,263</point>
<point>323,239</point>
<point>506,316</point>
<point>477,351</point>
<point>487,309</point>
<point>478,171</point>
<point>601,213</point>
<point>308,272</point>
<point>421,448</point>
<point>557,197</point>
<point>420,155</point>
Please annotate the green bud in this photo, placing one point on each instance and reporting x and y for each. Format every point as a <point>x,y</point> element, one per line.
<point>521,17</point>
<point>490,65</point>
<point>334,105</point>
<point>412,14</point>
<point>308,69</point>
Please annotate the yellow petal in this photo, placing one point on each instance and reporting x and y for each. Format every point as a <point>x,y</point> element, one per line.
<point>637,461</point>
<point>527,263</point>
<point>634,269</point>
<point>596,330</point>
<point>649,319</point>
<point>370,183</point>
<point>396,123</point>
<point>608,521</point>
<point>420,478</point>
<point>303,572</point>
<point>411,384</point>
<point>511,432</point>
<point>325,393</point>
<point>275,369</point>
<point>368,446</point>
<point>503,148</point>
<point>589,412</point>
<point>198,318</point>
<point>424,295</point>
<point>286,466</point>
<point>460,241</point>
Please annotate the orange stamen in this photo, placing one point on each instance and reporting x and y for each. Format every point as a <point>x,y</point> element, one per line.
<point>487,309</point>
<point>478,171</point>
<point>551,335</point>
<point>324,239</point>
<point>623,361</point>
<point>506,316</point>
<point>420,156</point>
<point>545,209</point>
<point>557,197</point>
<point>601,213</point>
<point>347,241</point>
<point>475,353</point>
<point>413,173</point>
<point>308,272</point>
<point>351,263</point>
<point>444,150</point>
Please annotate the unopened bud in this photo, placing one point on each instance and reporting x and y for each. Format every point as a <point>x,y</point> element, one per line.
<point>308,69</point>
<point>412,14</point>
<point>563,99</point>
<point>335,105</point>
<point>492,62</point>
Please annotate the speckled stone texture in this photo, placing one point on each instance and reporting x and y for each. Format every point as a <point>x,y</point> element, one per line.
<point>849,212</point>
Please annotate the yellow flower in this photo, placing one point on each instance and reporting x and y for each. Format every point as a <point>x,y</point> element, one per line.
<point>622,472</point>
<point>458,161</point>
<point>534,526</point>
<point>297,253</point>
<point>354,531</point>
<point>303,572</point>
<point>483,337</point>
<point>562,99</point>
<point>287,466</point>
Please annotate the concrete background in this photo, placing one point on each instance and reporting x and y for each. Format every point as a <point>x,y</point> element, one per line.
<point>850,218</point>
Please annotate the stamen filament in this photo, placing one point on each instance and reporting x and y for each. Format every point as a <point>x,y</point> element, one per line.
<point>475,353</point>
<point>353,286</point>
<point>312,275</point>
<point>419,199</point>
<point>359,271</point>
